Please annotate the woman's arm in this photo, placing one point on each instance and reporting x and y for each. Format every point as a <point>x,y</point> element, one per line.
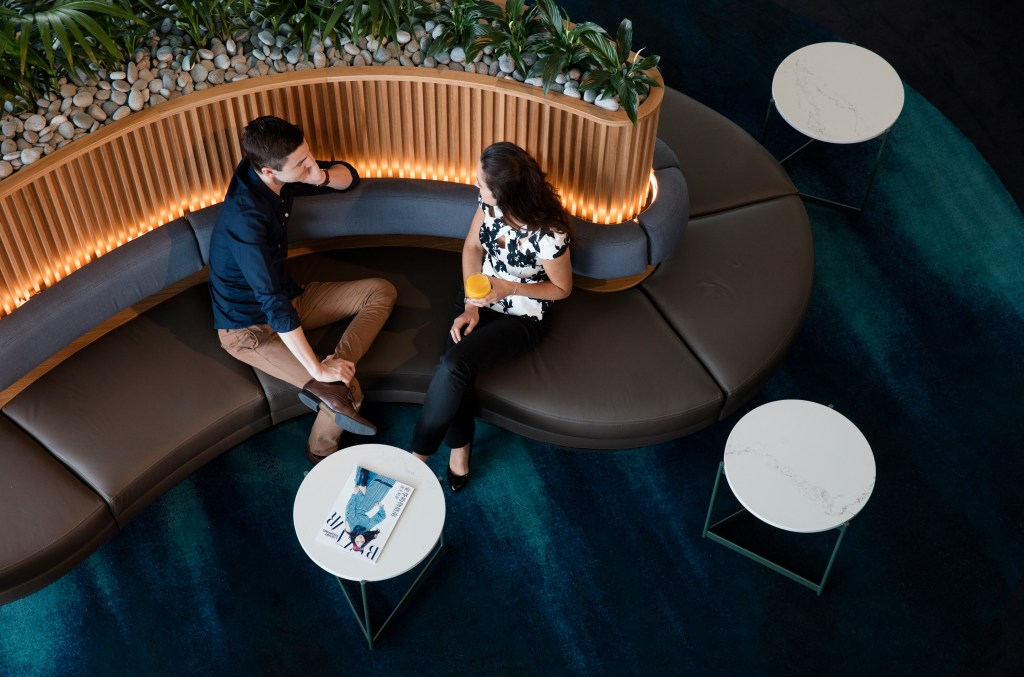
<point>558,286</point>
<point>472,263</point>
<point>472,250</point>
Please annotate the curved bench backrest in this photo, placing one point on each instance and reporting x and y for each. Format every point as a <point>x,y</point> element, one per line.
<point>76,304</point>
<point>156,260</point>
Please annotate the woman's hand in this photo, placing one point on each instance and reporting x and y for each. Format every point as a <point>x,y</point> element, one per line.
<point>499,289</point>
<point>465,323</point>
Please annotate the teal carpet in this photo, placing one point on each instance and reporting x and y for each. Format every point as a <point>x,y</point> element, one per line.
<point>573,562</point>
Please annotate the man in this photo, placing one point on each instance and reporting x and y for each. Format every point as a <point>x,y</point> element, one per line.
<point>260,313</point>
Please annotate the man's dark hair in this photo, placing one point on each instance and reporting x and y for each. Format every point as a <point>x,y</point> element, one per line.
<point>268,141</point>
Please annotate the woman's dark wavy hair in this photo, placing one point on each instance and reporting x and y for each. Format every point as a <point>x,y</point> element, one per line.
<point>522,190</point>
<point>268,141</point>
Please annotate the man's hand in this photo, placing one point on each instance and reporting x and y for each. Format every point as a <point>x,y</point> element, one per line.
<point>329,370</point>
<point>314,175</point>
<point>334,368</point>
<point>337,175</point>
<point>465,323</point>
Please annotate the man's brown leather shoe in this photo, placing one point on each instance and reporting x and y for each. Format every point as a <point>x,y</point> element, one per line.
<point>336,399</point>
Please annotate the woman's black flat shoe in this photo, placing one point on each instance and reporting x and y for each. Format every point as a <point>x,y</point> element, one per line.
<point>459,482</point>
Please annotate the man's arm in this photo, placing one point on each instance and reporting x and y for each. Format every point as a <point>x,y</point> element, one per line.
<point>341,177</point>
<point>332,368</point>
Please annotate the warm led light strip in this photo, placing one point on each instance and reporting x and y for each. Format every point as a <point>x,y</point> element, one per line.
<point>79,258</point>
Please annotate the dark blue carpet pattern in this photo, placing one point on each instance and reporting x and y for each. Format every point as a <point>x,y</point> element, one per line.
<point>573,562</point>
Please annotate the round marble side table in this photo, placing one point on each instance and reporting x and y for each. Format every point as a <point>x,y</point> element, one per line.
<point>418,532</point>
<point>798,466</point>
<point>837,93</point>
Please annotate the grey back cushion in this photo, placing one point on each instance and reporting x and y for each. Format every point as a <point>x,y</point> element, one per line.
<point>374,207</point>
<point>423,207</point>
<point>56,316</point>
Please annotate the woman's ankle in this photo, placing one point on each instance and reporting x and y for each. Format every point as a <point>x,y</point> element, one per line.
<point>459,462</point>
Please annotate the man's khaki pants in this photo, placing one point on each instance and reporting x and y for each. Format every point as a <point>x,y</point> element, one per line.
<point>368,302</point>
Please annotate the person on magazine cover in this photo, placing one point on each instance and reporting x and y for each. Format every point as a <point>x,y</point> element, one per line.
<point>365,509</point>
<point>260,313</point>
<point>519,239</point>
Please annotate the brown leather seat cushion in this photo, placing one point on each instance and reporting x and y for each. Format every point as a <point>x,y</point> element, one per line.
<point>723,165</point>
<point>50,522</point>
<point>140,409</point>
<point>609,374</point>
<point>737,289</point>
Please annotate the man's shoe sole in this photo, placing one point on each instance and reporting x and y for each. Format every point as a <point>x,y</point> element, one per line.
<point>341,420</point>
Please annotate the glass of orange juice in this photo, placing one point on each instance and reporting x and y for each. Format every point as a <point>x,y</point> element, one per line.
<point>477,286</point>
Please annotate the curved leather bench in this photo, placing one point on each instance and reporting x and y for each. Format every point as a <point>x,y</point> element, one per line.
<point>107,431</point>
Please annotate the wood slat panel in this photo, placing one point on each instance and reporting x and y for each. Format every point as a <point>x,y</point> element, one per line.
<point>14,268</point>
<point>48,249</point>
<point>62,223</point>
<point>81,195</point>
<point>128,178</point>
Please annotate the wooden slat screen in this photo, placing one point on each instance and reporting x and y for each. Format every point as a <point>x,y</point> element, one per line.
<point>158,164</point>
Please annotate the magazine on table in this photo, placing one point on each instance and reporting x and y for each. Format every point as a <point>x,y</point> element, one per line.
<point>365,513</point>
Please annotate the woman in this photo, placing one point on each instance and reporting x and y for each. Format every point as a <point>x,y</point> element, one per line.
<point>519,239</point>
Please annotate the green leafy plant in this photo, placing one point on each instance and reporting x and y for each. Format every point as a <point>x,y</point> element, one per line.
<point>17,85</point>
<point>273,13</point>
<point>562,46</point>
<point>308,18</point>
<point>380,19</point>
<point>462,21</point>
<point>132,35</point>
<point>201,20</point>
<point>321,20</point>
<point>511,33</point>
<point>615,74</point>
<point>68,33</point>
<point>318,20</point>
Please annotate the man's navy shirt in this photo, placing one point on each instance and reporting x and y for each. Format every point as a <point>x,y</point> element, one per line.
<point>249,279</point>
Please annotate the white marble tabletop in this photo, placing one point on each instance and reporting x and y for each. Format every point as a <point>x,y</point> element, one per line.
<point>837,92</point>
<point>416,532</point>
<point>799,466</point>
